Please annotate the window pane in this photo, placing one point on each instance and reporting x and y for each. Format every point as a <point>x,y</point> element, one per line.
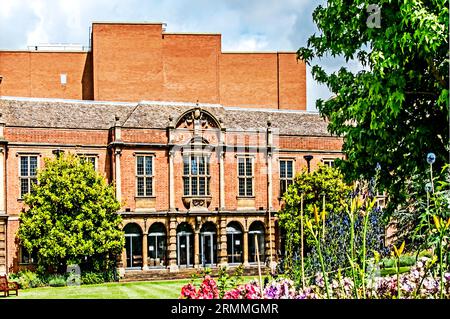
<point>148,165</point>
<point>91,159</point>
<point>140,186</point>
<point>241,186</point>
<point>248,167</point>
<point>23,186</point>
<point>186,166</point>
<point>241,167</point>
<point>148,186</point>
<point>249,186</point>
<point>194,168</point>
<point>140,165</point>
<point>33,165</point>
<point>289,171</point>
<point>24,166</point>
<point>201,166</point>
<point>186,186</point>
<point>207,165</point>
<point>282,187</point>
<point>194,186</point>
<point>202,186</point>
<point>282,169</point>
<point>207,186</point>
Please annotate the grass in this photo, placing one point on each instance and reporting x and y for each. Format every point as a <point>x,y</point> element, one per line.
<point>393,271</point>
<point>168,289</point>
<point>129,290</point>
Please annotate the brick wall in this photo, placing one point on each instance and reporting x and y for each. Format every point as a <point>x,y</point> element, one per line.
<point>248,80</point>
<point>127,61</point>
<point>191,67</point>
<point>37,74</point>
<point>134,62</point>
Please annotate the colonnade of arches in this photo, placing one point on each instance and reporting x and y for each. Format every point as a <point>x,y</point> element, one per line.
<point>241,247</point>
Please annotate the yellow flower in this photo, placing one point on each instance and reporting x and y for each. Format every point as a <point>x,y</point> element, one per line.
<point>447,224</point>
<point>316,215</point>
<point>353,205</point>
<point>324,213</point>
<point>309,224</point>
<point>398,252</point>
<point>436,222</point>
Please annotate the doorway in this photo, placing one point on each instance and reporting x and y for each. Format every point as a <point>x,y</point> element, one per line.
<point>133,246</point>
<point>185,245</point>
<point>208,245</point>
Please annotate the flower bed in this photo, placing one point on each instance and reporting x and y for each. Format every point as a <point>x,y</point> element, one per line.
<point>417,283</point>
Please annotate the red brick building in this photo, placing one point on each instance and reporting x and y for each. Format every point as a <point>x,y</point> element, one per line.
<point>199,143</point>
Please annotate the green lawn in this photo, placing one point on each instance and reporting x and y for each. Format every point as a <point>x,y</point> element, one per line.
<point>169,289</point>
<point>128,290</point>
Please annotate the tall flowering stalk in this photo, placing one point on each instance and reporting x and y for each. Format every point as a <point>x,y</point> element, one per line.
<point>315,232</point>
<point>366,214</point>
<point>397,253</point>
<point>441,227</point>
<point>355,204</point>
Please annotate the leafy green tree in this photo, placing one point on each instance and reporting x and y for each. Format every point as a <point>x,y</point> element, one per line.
<point>71,217</point>
<point>324,180</point>
<point>395,110</point>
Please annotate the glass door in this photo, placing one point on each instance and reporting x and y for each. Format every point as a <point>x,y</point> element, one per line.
<point>157,249</point>
<point>208,249</point>
<point>133,246</point>
<point>184,249</point>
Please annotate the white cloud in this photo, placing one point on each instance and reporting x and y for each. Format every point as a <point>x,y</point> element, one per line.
<point>248,43</point>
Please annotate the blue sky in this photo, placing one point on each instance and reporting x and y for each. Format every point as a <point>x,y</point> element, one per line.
<point>245,25</point>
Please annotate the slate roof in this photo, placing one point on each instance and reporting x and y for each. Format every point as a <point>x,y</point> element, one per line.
<point>58,113</point>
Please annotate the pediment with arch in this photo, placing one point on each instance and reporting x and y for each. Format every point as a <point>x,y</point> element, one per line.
<point>197,119</point>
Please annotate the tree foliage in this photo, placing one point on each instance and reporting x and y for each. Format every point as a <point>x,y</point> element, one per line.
<point>324,180</point>
<point>396,109</point>
<point>71,217</point>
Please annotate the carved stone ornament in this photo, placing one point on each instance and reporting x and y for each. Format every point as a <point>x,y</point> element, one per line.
<point>197,119</point>
<point>197,203</point>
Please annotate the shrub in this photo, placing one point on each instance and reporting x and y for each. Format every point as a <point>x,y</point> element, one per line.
<point>57,280</point>
<point>92,278</point>
<point>27,279</point>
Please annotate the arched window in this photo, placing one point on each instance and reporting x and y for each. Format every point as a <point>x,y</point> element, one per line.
<point>256,239</point>
<point>133,245</point>
<point>234,243</point>
<point>157,245</point>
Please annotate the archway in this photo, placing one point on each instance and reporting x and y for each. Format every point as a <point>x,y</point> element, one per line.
<point>133,245</point>
<point>208,245</point>
<point>257,231</point>
<point>157,245</point>
<point>185,245</point>
<point>234,243</point>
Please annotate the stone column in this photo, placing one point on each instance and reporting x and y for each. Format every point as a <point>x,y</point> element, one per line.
<point>2,166</point>
<point>118,178</point>
<point>171,182</point>
<point>3,232</point>
<point>144,251</point>
<point>222,239</point>
<point>172,246</point>
<point>222,180</point>
<point>269,210</point>
<point>197,248</point>
<point>272,262</point>
<point>245,238</point>
<point>2,181</point>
